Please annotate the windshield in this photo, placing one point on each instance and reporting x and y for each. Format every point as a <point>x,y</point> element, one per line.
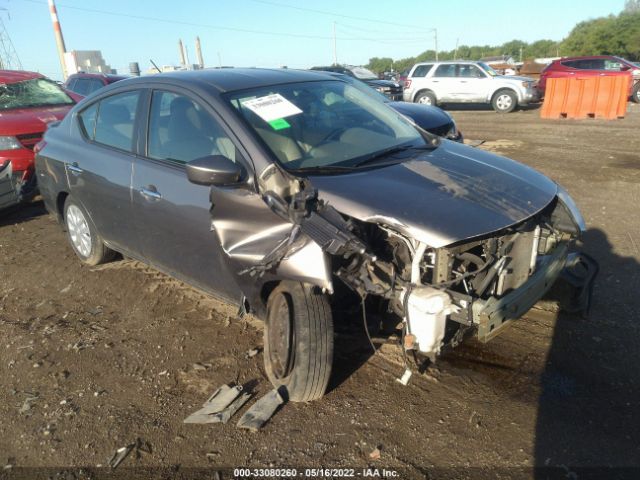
<point>37,92</point>
<point>363,73</point>
<point>324,124</point>
<point>488,69</point>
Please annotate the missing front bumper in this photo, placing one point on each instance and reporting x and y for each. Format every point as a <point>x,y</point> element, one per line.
<point>493,315</point>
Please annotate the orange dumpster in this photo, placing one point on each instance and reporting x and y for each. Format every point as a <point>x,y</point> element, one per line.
<point>603,96</point>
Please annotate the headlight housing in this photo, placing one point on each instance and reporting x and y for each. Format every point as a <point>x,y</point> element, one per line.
<point>9,143</point>
<point>565,200</point>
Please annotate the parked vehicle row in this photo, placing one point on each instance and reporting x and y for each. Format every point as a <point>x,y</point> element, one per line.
<point>389,88</point>
<point>86,83</point>
<point>295,194</point>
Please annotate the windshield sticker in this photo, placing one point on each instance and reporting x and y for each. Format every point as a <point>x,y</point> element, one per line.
<point>272,107</point>
<point>279,124</point>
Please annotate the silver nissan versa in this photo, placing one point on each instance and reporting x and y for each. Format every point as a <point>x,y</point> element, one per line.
<point>294,195</point>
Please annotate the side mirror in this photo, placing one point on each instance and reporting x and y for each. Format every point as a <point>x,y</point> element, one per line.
<point>213,170</point>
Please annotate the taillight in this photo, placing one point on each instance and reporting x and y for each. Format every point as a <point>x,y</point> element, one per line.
<point>39,146</point>
<point>407,83</point>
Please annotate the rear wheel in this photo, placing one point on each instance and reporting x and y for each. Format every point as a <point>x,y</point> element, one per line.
<point>426,98</point>
<point>504,101</point>
<point>636,93</point>
<point>82,235</point>
<point>298,340</point>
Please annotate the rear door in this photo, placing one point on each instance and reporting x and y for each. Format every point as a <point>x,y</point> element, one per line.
<point>173,215</point>
<point>99,169</point>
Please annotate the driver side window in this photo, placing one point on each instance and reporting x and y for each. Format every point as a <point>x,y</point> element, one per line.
<point>181,130</point>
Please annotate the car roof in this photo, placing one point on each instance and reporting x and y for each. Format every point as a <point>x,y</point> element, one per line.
<point>232,79</point>
<point>109,76</point>
<point>432,62</point>
<point>588,57</point>
<point>14,76</point>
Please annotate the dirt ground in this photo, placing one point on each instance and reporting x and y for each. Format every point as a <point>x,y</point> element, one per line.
<point>91,359</point>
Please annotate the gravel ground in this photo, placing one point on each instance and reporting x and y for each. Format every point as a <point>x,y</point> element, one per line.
<point>92,359</point>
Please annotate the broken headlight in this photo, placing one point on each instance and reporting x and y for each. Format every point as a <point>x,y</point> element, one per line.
<point>568,208</point>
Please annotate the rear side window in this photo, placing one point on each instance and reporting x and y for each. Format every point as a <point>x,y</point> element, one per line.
<point>422,70</point>
<point>81,86</point>
<point>445,70</point>
<point>111,120</point>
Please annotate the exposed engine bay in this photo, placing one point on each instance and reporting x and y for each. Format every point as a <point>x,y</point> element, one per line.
<point>483,282</point>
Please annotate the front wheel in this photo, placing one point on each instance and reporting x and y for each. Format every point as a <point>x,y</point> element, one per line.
<point>298,340</point>
<point>636,93</point>
<point>84,239</point>
<point>504,101</point>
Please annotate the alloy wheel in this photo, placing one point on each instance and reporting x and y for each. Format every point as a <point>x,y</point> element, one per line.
<point>79,230</point>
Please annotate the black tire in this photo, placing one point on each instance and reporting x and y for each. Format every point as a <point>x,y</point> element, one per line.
<point>96,252</point>
<point>504,101</point>
<point>426,98</point>
<point>298,340</point>
<point>635,96</point>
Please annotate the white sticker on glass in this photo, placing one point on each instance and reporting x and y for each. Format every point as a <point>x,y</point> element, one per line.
<point>271,107</point>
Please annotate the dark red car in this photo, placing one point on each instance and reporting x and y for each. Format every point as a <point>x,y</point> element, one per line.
<point>86,83</point>
<point>28,102</point>
<point>591,66</point>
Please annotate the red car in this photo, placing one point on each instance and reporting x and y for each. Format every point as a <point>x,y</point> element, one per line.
<point>591,66</point>
<point>28,102</point>
<point>86,83</point>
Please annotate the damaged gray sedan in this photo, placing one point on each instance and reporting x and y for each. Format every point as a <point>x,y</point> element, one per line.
<point>291,193</point>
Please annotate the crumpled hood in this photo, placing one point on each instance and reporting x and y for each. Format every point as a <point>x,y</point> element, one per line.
<point>30,120</point>
<point>452,193</point>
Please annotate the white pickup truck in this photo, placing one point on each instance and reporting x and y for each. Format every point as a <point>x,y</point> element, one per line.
<point>435,83</point>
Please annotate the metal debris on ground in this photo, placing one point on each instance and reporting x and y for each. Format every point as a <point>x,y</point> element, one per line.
<point>140,446</point>
<point>253,352</point>
<point>26,406</point>
<point>120,454</point>
<point>261,411</point>
<point>375,454</point>
<point>220,406</point>
<point>406,376</point>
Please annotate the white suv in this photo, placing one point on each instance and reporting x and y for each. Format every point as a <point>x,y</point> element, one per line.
<point>467,82</point>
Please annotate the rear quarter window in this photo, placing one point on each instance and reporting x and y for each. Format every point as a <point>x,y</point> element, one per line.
<point>87,119</point>
<point>422,70</point>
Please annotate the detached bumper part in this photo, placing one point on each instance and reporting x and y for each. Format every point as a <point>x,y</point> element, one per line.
<point>579,275</point>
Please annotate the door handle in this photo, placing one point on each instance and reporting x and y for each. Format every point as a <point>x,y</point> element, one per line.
<point>463,81</point>
<point>150,193</point>
<point>74,168</point>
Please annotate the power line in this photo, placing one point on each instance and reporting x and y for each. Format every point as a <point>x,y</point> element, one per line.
<point>333,14</point>
<point>201,25</point>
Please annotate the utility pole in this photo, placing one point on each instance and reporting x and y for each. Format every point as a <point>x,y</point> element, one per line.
<point>219,60</point>
<point>199,52</point>
<point>335,46</point>
<point>57,31</point>
<point>455,55</point>
<point>435,31</point>
<point>521,54</point>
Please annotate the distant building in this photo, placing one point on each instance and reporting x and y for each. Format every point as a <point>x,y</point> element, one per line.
<point>500,60</point>
<point>89,61</point>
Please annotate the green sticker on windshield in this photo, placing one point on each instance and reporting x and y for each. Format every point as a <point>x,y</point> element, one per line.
<point>279,124</point>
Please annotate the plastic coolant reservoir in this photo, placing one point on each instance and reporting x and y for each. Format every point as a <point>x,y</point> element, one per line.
<point>427,316</point>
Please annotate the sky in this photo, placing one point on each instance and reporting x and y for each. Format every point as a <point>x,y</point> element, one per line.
<point>273,33</point>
